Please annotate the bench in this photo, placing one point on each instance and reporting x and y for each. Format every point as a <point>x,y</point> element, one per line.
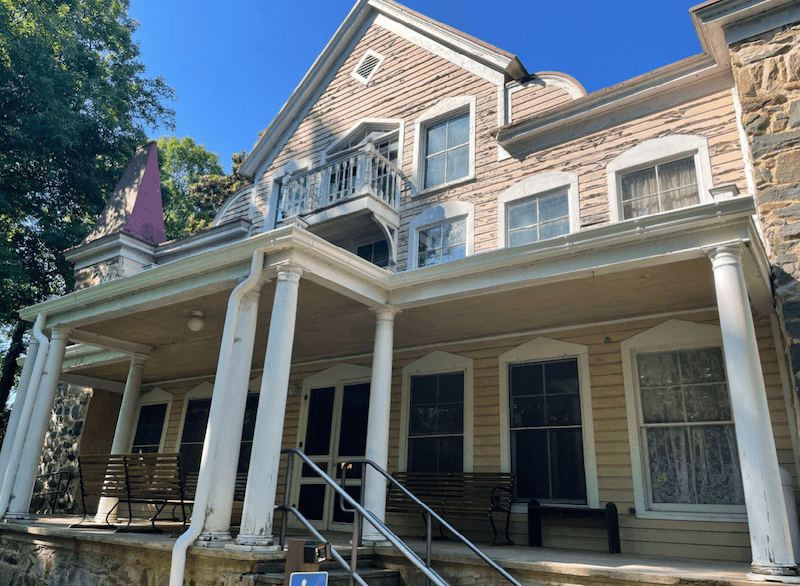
<point>456,494</point>
<point>607,514</point>
<point>153,479</point>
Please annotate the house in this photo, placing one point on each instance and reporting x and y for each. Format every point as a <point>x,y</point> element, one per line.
<point>448,262</point>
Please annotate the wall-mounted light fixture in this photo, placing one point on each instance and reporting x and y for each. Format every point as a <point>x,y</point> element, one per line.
<point>196,322</point>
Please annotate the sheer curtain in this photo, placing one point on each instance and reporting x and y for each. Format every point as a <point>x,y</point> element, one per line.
<point>663,187</point>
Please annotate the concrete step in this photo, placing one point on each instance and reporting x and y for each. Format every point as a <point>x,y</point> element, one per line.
<point>338,577</point>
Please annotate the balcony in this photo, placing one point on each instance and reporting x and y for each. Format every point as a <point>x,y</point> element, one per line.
<point>355,184</point>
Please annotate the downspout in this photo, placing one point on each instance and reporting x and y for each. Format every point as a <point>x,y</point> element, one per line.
<point>10,472</point>
<point>215,427</point>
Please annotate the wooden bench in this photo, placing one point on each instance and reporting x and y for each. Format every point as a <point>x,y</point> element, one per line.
<point>456,495</point>
<point>153,479</point>
<point>607,514</point>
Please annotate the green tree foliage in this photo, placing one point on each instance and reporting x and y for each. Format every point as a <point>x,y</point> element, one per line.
<point>74,102</point>
<point>193,186</point>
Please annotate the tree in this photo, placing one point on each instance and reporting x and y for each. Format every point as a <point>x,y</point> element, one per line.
<point>74,101</point>
<point>193,186</point>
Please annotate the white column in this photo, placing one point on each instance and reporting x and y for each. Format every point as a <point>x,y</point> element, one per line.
<point>123,433</point>
<point>230,391</point>
<point>380,395</point>
<point>40,417</point>
<point>262,477</point>
<point>766,511</point>
<point>19,401</point>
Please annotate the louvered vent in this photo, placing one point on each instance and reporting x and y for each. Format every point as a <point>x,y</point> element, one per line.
<point>367,67</point>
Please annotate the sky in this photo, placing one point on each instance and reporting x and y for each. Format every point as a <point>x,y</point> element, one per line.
<point>234,63</point>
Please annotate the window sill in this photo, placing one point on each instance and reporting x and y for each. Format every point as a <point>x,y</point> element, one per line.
<point>693,516</point>
<point>443,186</point>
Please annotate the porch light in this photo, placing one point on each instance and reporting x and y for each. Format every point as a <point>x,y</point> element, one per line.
<point>196,322</point>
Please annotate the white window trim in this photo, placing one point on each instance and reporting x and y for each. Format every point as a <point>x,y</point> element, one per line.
<point>539,350</point>
<point>654,152</point>
<point>366,80</point>
<point>447,108</point>
<point>444,212</point>
<point>156,396</point>
<point>384,124</point>
<point>671,335</point>
<point>202,391</point>
<point>277,177</point>
<point>536,186</point>
<point>437,362</point>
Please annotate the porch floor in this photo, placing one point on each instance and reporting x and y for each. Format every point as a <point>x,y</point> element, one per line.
<point>530,565</point>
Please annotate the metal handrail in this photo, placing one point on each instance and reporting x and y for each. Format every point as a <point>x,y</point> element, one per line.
<point>360,514</point>
<point>429,514</point>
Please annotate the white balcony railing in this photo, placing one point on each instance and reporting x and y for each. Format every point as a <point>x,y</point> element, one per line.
<point>350,174</point>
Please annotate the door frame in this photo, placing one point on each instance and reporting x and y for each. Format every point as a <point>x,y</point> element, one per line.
<point>337,376</point>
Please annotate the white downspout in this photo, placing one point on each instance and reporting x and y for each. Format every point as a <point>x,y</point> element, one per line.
<point>25,416</point>
<point>216,426</point>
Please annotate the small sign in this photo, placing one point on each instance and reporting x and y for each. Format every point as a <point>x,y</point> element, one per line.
<point>308,579</point>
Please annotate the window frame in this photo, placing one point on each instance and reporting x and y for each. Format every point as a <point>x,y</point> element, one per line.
<point>437,362</point>
<point>543,350</point>
<point>669,336</point>
<point>156,396</point>
<point>448,211</point>
<point>654,152</point>
<point>445,110</point>
<point>537,186</point>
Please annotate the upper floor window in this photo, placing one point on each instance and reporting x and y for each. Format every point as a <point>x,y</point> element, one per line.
<point>444,144</point>
<point>659,175</point>
<point>538,208</point>
<point>440,234</point>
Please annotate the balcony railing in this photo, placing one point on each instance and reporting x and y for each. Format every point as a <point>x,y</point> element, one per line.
<point>350,174</point>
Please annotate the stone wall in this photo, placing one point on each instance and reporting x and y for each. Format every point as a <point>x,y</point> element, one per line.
<point>61,447</point>
<point>767,73</point>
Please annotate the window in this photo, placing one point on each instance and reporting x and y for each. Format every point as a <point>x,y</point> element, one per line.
<point>147,439</point>
<point>683,447</point>
<point>375,252</point>
<point>447,151</point>
<point>659,175</point>
<point>444,144</point>
<point>660,188</point>
<point>441,233</point>
<point>436,414</point>
<point>547,432</point>
<point>538,208</point>
<point>442,243</point>
<point>546,438</point>
<point>436,423</point>
<point>687,429</point>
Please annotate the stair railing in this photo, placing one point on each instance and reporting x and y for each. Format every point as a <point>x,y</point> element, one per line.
<point>429,513</point>
<point>360,514</point>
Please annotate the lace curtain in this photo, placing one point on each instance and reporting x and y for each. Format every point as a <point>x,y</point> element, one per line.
<point>687,428</point>
<point>660,188</point>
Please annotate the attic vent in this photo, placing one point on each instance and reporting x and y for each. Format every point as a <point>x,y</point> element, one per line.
<point>367,67</point>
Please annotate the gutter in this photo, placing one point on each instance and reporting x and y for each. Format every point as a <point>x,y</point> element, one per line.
<point>216,423</point>
<point>24,418</point>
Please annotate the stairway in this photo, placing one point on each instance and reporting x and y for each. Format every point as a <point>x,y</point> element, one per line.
<point>273,574</point>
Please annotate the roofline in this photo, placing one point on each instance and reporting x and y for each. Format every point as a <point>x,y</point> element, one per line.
<point>488,55</point>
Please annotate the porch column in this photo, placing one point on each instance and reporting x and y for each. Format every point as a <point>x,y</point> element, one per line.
<point>766,511</point>
<point>378,420</point>
<point>123,433</point>
<point>230,388</point>
<point>19,401</point>
<point>262,477</point>
<point>34,438</point>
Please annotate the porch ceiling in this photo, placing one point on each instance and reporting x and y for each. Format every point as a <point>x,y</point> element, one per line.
<point>330,325</point>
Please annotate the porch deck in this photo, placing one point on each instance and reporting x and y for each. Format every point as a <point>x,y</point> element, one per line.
<point>149,554</point>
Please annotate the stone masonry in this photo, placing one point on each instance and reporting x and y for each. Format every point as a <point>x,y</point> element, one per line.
<point>767,73</point>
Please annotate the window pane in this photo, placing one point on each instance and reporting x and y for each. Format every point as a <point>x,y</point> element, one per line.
<point>639,184</point>
<point>430,239</point>
<point>703,365</point>
<point>523,214</point>
<point>436,422</point>
<point>458,131</point>
<point>250,412</point>
<point>423,454</point>
<point>563,410</point>
<point>530,457</point>
<point>528,412</point>
<point>553,229</point>
<point>679,173</point>
<point>561,377</point>
<point>567,477</point>
<point>527,379</point>
<point>435,170</point>
<point>553,206</point>
<point>454,233</point>
<point>524,236</point>
<point>453,253</point>
<point>451,387</point>
<point>658,369</point>
<point>353,433</point>
<point>458,163</point>
<point>451,454</point>
<point>196,420</point>
<point>662,405</point>
<point>707,403</point>
<point>640,207</point>
<point>320,417</point>
<point>717,477</point>
<point>422,420</point>
<point>149,428</point>
<point>312,501</point>
<point>423,389</point>
<point>437,138</point>
<point>450,418</point>
<point>668,452</point>
<point>340,516</point>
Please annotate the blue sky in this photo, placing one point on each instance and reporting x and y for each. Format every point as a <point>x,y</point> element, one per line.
<point>234,63</point>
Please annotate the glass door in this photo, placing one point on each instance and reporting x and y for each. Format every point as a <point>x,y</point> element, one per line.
<point>336,431</point>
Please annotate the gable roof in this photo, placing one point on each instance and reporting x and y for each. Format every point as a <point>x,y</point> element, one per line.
<point>483,54</point>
